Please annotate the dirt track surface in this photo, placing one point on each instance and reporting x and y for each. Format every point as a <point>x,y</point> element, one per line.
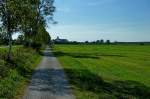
<point>48,80</point>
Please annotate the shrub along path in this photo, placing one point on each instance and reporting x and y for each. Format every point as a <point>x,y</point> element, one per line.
<point>48,80</point>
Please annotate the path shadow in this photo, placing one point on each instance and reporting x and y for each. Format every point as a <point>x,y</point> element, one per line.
<point>85,80</point>
<point>84,55</point>
<point>52,81</point>
<point>47,53</point>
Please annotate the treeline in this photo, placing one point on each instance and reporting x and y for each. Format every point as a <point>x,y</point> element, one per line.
<point>102,42</point>
<point>28,17</point>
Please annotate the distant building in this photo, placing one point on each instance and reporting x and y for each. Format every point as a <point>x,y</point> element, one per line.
<point>58,40</point>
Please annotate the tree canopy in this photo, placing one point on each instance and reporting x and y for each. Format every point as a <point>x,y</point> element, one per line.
<point>29,17</point>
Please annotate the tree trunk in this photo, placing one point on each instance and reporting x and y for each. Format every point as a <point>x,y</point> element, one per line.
<point>10,47</point>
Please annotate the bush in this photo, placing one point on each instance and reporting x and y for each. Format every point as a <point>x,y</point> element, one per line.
<point>24,61</point>
<point>3,54</point>
<point>36,46</point>
<point>3,69</point>
<point>142,44</point>
<point>9,85</point>
<point>24,69</point>
<point>13,75</point>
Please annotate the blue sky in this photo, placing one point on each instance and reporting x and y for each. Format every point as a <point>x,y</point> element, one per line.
<point>116,20</point>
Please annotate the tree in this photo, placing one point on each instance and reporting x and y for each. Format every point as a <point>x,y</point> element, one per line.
<point>27,16</point>
<point>42,37</point>
<point>101,41</point>
<point>98,41</point>
<point>3,38</point>
<point>44,15</point>
<point>35,20</point>
<point>20,39</point>
<point>86,42</point>
<point>9,13</point>
<point>107,41</point>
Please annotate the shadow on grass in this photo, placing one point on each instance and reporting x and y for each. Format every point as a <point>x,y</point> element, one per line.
<point>54,81</point>
<point>83,55</point>
<point>85,80</point>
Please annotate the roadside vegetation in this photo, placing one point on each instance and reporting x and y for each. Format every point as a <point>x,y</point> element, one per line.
<point>14,75</point>
<point>29,19</point>
<point>107,71</point>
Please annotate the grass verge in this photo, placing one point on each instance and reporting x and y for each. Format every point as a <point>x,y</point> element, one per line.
<point>14,76</point>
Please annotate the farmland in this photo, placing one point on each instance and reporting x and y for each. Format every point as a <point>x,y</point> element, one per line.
<point>106,71</point>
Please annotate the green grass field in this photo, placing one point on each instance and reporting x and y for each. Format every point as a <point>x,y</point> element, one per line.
<point>107,71</point>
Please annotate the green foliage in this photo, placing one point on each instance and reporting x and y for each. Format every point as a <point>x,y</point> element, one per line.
<point>3,69</point>
<point>9,85</point>
<point>36,45</point>
<point>30,17</point>
<point>107,71</point>
<point>3,54</point>
<point>19,40</point>
<point>24,63</point>
<point>14,74</point>
<point>3,38</point>
<point>35,21</point>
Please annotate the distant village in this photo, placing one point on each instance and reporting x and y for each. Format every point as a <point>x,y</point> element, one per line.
<point>59,40</point>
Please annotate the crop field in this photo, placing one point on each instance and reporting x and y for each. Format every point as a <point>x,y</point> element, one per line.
<point>106,71</point>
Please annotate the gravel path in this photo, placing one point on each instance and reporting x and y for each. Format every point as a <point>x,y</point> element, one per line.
<point>48,80</point>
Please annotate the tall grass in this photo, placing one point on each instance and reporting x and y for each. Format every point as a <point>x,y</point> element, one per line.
<point>13,75</point>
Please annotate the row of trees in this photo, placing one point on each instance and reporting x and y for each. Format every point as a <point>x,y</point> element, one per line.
<point>29,17</point>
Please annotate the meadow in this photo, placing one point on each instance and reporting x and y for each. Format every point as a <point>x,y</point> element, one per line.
<point>106,71</point>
